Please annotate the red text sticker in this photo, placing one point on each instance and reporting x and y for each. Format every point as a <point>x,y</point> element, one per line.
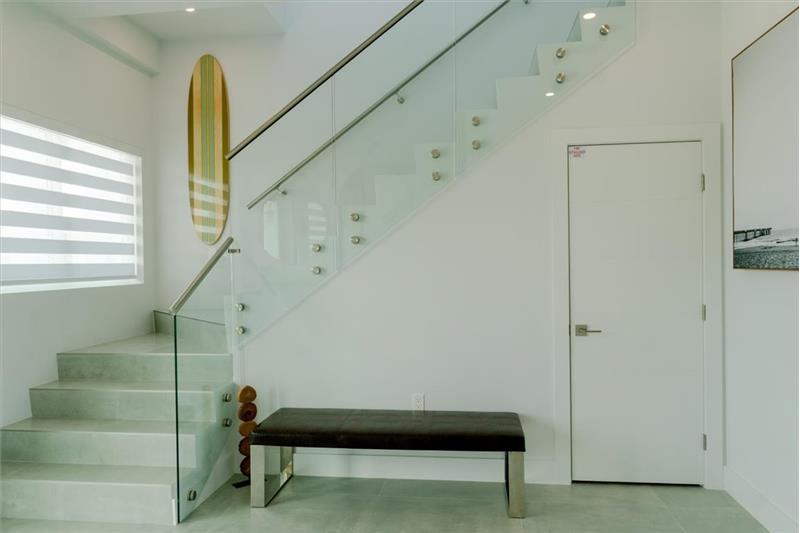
<point>577,151</point>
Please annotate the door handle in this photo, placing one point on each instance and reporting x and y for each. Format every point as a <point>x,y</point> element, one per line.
<point>582,330</point>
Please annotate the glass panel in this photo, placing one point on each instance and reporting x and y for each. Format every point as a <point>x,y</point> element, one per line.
<point>441,90</point>
<point>204,384</point>
<point>390,161</point>
<point>289,245</point>
<point>394,58</point>
<point>395,159</point>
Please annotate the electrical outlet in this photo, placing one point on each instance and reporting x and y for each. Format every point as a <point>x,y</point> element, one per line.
<point>418,401</point>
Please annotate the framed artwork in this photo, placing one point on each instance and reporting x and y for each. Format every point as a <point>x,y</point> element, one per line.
<point>765,150</point>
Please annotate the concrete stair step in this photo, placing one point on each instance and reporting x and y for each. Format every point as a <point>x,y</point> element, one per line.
<point>89,493</point>
<point>134,400</point>
<point>146,358</point>
<point>103,442</point>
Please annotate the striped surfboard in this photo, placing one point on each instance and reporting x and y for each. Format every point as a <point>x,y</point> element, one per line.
<point>209,190</point>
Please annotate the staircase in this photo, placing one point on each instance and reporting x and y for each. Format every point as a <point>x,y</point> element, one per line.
<point>386,164</point>
<point>101,445</point>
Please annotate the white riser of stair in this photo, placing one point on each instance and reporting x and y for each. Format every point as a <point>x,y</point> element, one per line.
<point>86,493</point>
<point>395,194</point>
<point>519,99</point>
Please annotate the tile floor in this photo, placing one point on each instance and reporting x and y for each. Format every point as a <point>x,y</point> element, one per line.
<point>343,505</point>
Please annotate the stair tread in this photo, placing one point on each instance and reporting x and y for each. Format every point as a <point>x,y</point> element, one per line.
<point>138,386</point>
<point>155,344</point>
<point>77,473</point>
<point>104,426</point>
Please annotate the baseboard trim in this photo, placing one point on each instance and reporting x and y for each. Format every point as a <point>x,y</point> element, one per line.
<point>451,466</point>
<point>757,504</point>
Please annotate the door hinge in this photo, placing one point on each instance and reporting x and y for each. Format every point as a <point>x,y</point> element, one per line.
<point>702,182</point>
<point>705,442</point>
<point>703,312</point>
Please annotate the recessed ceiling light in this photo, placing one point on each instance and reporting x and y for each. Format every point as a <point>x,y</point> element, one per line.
<point>191,10</point>
<point>589,16</point>
<point>550,94</point>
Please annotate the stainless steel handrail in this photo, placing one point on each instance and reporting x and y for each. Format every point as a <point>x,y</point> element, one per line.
<point>192,286</point>
<point>275,186</point>
<point>325,77</point>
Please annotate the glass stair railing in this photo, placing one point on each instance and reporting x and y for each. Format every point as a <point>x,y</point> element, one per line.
<point>337,170</point>
<point>395,126</point>
<point>203,361</point>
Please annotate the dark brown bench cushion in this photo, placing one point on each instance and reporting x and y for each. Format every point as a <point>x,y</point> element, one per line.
<point>391,430</point>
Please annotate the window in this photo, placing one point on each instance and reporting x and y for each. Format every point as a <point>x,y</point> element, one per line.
<point>70,211</point>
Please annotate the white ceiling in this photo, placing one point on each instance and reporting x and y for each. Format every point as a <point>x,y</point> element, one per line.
<point>249,20</point>
<point>168,20</point>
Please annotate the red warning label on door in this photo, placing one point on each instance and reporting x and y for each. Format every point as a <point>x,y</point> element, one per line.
<point>577,151</point>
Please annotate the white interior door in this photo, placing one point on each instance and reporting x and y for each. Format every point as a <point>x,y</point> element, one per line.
<point>636,253</point>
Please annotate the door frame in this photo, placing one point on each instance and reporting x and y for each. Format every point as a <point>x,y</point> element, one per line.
<point>709,135</point>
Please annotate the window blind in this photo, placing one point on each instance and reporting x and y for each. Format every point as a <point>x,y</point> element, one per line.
<point>68,210</point>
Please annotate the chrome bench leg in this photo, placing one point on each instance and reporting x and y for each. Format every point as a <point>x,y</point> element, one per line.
<point>258,474</point>
<point>515,484</point>
<point>271,468</point>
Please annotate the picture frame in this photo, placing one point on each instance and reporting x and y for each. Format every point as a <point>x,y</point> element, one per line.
<point>764,89</point>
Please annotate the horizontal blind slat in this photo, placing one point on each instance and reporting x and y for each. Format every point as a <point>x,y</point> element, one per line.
<point>58,199</point>
<point>20,154</point>
<point>26,168</point>
<point>63,259</point>
<point>44,246</point>
<point>28,233</point>
<point>34,208</point>
<point>28,220</point>
<point>29,273</point>
<point>10,178</point>
<point>63,152</point>
<point>39,132</point>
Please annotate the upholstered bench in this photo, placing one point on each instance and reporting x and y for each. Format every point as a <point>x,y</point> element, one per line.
<point>273,441</point>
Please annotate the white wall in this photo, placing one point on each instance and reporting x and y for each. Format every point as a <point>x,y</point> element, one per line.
<point>262,74</point>
<point>458,303</point>
<point>761,347</point>
<point>49,73</point>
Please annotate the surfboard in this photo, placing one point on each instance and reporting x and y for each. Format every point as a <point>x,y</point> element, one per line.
<point>209,189</point>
